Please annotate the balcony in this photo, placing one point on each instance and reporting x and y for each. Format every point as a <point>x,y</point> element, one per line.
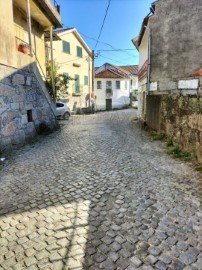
<point>77,90</point>
<point>109,93</point>
<point>42,11</point>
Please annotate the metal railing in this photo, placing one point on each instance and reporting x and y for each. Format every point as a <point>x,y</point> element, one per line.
<point>56,6</point>
<point>109,92</point>
<point>78,90</point>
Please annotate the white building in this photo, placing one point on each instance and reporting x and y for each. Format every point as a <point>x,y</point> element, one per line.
<point>141,44</point>
<point>113,86</point>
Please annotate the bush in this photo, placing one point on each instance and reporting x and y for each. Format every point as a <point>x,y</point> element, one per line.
<point>157,136</point>
<point>169,143</point>
<point>176,152</point>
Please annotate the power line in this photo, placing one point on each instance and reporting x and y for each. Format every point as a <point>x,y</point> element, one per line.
<point>78,58</point>
<point>102,24</point>
<point>112,59</point>
<point>117,50</point>
<point>107,44</point>
<point>114,49</point>
<point>101,42</point>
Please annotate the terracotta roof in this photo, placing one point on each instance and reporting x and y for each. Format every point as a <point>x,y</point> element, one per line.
<point>142,31</point>
<point>142,73</point>
<point>121,69</point>
<point>108,74</point>
<point>145,23</point>
<point>133,69</point>
<point>197,73</point>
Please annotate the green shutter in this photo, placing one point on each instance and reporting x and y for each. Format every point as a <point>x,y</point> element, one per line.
<point>85,80</point>
<point>77,84</point>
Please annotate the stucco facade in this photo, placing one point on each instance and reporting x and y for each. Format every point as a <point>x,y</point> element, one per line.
<point>142,76</point>
<point>119,97</point>
<point>76,67</point>
<point>24,100</point>
<point>113,85</point>
<point>176,41</point>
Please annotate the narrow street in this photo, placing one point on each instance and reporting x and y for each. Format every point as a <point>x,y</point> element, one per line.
<point>99,194</point>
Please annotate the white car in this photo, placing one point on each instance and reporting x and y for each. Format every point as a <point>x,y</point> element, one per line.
<point>62,110</point>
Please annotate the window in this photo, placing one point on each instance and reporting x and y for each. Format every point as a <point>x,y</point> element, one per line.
<point>99,85</point>
<point>108,84</point>
<point>79,51</point>
<point>65,46</point>
<point>77,84</point>
<point>118,85</point>
<point>59,105</point>
<point>29,116</point>
<point>85,80</point>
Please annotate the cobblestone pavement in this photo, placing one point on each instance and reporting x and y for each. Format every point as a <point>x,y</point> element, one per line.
<point>99,194</point>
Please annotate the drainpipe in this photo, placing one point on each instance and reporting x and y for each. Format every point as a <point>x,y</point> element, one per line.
<point>149,59</point>
<point>52,66</point>
<point>29,26</point>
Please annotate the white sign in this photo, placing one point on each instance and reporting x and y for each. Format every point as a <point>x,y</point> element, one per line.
<point>153,86</point>
<point>188,84</point>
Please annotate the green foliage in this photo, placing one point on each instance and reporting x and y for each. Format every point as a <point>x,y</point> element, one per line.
<point>61,80</point>
<point>176,152</point>
<point>169,143</point>
<point>157,136</point>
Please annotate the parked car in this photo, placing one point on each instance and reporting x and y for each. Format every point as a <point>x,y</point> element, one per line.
<point>62,110</point>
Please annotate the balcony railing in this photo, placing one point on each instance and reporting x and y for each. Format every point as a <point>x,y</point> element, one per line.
<point>57,6</point>
<point>109,92</point>
<point>77,90</point>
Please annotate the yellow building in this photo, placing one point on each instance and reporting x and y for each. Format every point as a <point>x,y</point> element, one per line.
<point>74,58</point>
<point>25,103</point>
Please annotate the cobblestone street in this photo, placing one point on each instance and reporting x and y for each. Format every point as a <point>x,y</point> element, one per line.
<point>99,194</point>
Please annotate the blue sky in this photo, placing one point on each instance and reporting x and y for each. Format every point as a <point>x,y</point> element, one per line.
<point>123,23</point>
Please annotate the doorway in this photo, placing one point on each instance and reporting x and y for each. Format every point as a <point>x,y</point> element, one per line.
<point>109,104</point>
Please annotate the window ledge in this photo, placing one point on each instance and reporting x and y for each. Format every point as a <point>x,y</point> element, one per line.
<point>76,94</point>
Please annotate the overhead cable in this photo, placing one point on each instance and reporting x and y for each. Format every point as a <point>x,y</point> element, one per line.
<point>102,24</point>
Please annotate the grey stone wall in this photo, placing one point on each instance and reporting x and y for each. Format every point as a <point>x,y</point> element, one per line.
<point>181,120</point>
<point>23,106</point>
<point>176,46</point>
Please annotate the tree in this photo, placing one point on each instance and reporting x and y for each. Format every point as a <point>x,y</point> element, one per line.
<point>61,80</point>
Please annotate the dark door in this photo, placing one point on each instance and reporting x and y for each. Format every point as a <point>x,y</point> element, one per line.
<point>108,104</point>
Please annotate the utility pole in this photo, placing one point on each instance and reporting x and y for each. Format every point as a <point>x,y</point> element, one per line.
<point>52,66</point>
<point>89,82</point>
<point>93,57</point>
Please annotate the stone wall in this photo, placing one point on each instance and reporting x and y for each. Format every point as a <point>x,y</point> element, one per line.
<point>23,106</point>
<point>181,120</point>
